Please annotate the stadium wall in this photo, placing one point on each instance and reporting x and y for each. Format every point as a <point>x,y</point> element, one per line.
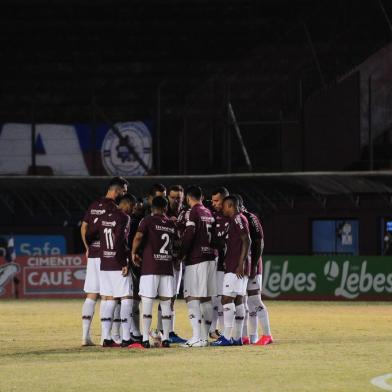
<point>284,277</point>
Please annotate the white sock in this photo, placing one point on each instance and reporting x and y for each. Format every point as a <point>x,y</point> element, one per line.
<point>262,313</point>
<point>147,316</point>
<point>239,321</point>
<point>87,317</point>
<point>221,321</point>
<point>256,305</point>
<point>116,321</point>
<point>135,317</point>
<point>102,306</point>
<point>166,318</point>
<point>246,319</point>
<point>195,318</point>
<point>228,316</point>
<point>172,320</point>
<point>215,307</point>
<point>206,314</point>
<point>126,318</point>
<point>159,322</point>
<point>107,318</point>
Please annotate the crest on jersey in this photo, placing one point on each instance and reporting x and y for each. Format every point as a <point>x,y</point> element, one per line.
<point>117,156</point>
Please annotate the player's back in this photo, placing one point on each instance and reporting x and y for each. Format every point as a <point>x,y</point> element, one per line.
<point>200,249</point>
<point>94,212</point>
<point>256,234</point>
<point>159,233</point>
<point>113,231</point>
<point>238,226</point>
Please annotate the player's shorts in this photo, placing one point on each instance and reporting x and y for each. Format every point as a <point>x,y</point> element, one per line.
<point>219,282</point>
<point>256,283</point>
<point>152,286</point>
<point>200,279</point>
<point>233,286</point>
<point>113,284</point>
<point>91,284</point>
<point>177,276</point>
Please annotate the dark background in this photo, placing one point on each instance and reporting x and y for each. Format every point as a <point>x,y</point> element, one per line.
<point>290,70</point>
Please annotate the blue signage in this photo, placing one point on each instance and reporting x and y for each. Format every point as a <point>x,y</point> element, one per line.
<point>35,245</point>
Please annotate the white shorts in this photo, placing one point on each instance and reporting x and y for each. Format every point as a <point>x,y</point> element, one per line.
<point>113,284</point>
<point>177,276</point>
<point>255,283</point>
<point>233,286</point>
<point>152,286</point>
<point>200,279</point>
<point>219,282</point>
<point>91,284</point>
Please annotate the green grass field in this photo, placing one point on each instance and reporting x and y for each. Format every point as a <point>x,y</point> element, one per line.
<point>320,346</point>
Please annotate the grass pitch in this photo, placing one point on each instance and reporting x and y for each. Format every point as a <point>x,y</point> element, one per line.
<point>320,346</point>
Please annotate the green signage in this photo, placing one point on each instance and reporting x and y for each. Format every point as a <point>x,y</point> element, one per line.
<point>327,277</point>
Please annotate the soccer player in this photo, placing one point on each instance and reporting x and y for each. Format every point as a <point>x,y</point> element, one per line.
<point>129,204</point>
<point>158,233</point>
<point>257,310</point>
<point>114,280</point>
<point>200,270</point>
<point>220,228</point>
<point>175,197</point>
<point>236,270</point>
<point>156,190</point>
<point>90,236</point>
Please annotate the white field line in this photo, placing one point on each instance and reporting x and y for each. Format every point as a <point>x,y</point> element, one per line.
<point>382,382</point>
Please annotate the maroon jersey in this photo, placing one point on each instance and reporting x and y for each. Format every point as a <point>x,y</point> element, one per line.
<point>256,234</point>
<point>182,218</point>
<point>220,230</point>
<point>196,242</point>
<point>91,217</point>
<point>238,225</point>
<point>159,233</point>
<point>113,231</point>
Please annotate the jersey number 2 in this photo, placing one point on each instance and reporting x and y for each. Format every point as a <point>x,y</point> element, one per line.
<point>166,238</point>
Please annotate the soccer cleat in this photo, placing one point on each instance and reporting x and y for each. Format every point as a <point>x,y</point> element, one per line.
<point>110,343</point>
<point>204,343</point>
<point>117,339</point>
<point>174,338</point>
<point>192,343</point>
<point>264,340</point>
<point>215,334</point>
<point>253,339</point>
<point>237,342</point>
<point>165,344</point>
<point>222,342</point>
<point>245,340</point>
<point>87,342</point>
<point>126,343</point>
<point>137,346</point>
<point>146,344</point>
<point>137,338</point>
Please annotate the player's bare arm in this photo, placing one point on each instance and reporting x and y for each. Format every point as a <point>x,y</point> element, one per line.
<point>135,247</point>
<point>83,231</point>
<point>255,256</point>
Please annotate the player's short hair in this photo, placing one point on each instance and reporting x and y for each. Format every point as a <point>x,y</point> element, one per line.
<point>159,202</point>
<point>239,198</point>
<point>118,182</point>
<point>221,191</point>
<point>128,197</point>
<point>194,191</point>
<point>156,188</point>
<point>232,199</point>
<point>175,188</point>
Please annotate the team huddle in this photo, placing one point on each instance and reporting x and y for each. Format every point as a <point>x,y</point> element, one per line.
<point>138,250</point>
